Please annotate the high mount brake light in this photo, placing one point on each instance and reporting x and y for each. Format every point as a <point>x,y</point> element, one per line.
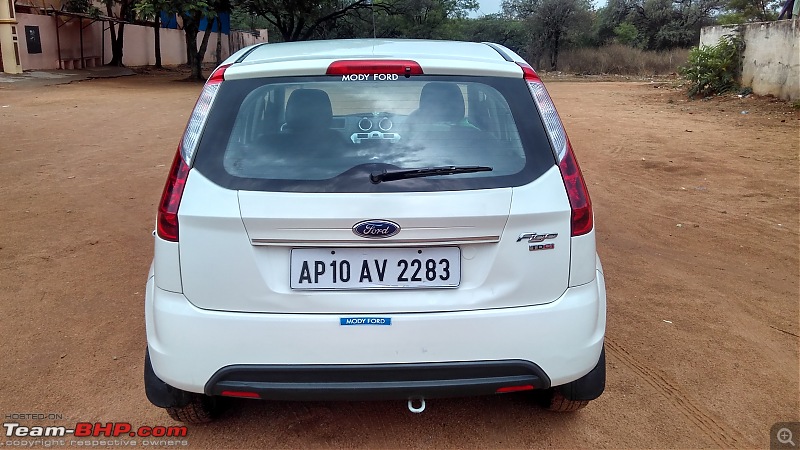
<point>375,66</point>
<point>580,203</point>
<point>167,222</point>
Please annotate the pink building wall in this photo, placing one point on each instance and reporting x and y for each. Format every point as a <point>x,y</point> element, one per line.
<point>138,50</point>
<point>68,32</point>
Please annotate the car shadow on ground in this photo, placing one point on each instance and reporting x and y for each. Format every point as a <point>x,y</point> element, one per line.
<point>495,421</point>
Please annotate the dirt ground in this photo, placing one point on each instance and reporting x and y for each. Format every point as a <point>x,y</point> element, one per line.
<point>696,206</point>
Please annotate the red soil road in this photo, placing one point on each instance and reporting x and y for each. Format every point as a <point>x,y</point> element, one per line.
<point>696,209</point>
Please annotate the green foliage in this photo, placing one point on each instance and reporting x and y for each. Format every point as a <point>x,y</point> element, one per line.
<point>752,10</point>
<point>626,33</point>
<point>732,18</point>
<point>243,20</point>
<point>552,25</point>
<point>420,19</point>
<point>660,24</point>
<point>186,8</point>
<point>714,69</point>
<point>614,13</point>
<point>82,6</point>
<point>424,19</point>
<point>191,13</point>
<point>496,28</point>
<point>537,29</point>
<point>666,24</point>
<point>298,20</point>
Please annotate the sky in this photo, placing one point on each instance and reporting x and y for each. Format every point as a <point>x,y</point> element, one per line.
<point>487,7</point>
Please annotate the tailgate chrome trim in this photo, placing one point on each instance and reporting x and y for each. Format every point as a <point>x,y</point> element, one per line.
<point>376,243</point>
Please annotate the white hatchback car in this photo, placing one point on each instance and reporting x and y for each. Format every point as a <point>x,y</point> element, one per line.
<point>374,219</point>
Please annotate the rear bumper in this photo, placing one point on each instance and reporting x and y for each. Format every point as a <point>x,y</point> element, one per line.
<point>311,356</point>
<point>377,381</point>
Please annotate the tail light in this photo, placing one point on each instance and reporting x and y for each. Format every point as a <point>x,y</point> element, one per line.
<point>167,222</point>
<point>191,137</point>
<point>580,203</point>
<point>375,67</point>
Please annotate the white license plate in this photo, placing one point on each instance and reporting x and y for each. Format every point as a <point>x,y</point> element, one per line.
<point>375,268</point>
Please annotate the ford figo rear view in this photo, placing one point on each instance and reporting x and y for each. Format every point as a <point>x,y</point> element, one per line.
<point>374,219</point>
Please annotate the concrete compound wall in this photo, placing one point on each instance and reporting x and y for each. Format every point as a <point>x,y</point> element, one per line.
<point>771,64</point>
<point>138,50</point>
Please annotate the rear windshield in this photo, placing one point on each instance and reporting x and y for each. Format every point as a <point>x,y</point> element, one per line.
<point>329,134</point>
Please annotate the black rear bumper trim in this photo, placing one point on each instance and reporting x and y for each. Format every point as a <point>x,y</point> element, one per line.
<point>376,381</point>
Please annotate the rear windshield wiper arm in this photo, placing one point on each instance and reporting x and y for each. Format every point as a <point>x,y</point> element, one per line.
<point>402,174</point>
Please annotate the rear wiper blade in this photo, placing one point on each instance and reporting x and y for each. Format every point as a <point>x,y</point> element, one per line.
<point>402,174</point>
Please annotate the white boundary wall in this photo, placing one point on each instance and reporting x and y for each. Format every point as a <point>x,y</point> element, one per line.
<point>771,63</point>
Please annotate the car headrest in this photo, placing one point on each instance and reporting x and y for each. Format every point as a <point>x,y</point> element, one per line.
<point>441,102</point>
<point>308,109</point>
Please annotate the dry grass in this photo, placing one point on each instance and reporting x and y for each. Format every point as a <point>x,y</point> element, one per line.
<point>621,60</point>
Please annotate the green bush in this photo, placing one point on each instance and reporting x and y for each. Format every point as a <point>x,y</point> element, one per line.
<point>714,69</point>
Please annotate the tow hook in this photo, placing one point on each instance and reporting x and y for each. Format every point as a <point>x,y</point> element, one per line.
<point>419,409</point>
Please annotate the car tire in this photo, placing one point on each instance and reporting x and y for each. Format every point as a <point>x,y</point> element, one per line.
<point>200,409</point>
<point>577,394</point>
<point>554,400</point>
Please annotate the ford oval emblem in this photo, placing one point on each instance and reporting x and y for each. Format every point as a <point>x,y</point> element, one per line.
<point>376,229</point>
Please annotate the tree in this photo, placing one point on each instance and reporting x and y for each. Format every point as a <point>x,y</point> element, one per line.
<point>299,20</point>
<point>428,19</point>
<point>421,19</point>
<point>120,9</point>
<point>191,13</point>
<point>496,28</point>
<point>551,24</point>
<point>739,11</point>
<point>155,22</point>
<point>157,39</point>
<point>667,24</point>
<point>609,18</point>
<point>626,34</point>
<point>241,19</point>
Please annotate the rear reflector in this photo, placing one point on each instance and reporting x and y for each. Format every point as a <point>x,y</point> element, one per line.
<point>507,389</point>
<point>579,201</point>
<point>240,394</point>
<point>167,222</point>
<point>375,66</point>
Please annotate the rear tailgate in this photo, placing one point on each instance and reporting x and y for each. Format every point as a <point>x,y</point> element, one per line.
<point>237,248</point>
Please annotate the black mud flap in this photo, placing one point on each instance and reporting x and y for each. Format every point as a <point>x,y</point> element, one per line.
<point>159,393</point>
<point>589,386</point>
